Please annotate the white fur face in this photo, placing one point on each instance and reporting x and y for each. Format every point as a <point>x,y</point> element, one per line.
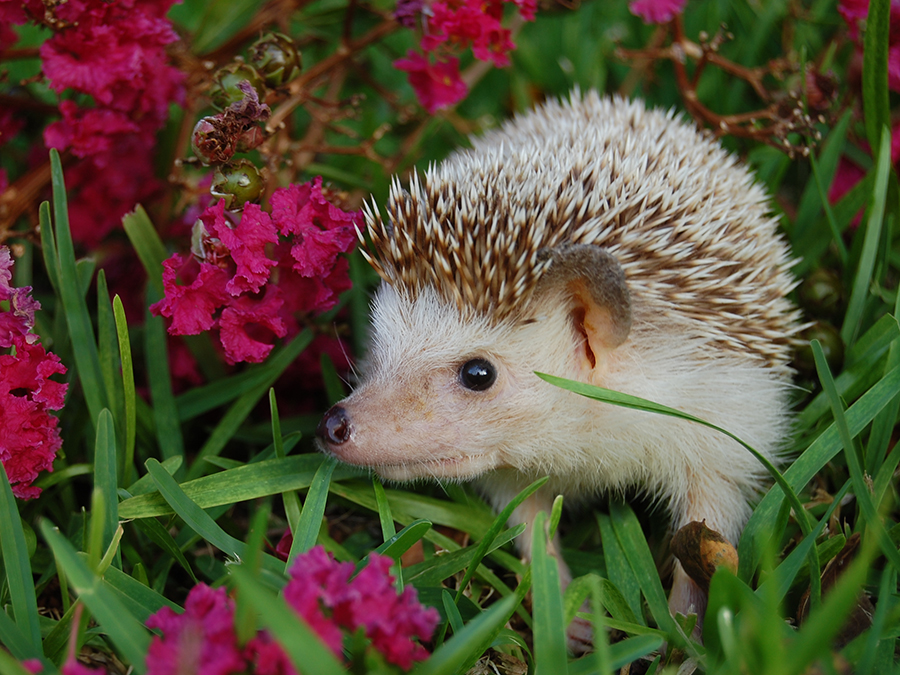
<point>413,416</point>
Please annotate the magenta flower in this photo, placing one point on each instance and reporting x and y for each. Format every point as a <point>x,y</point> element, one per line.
<point>29,437</point>
<point>656,11</point>
<point>369,601</point>
<point>202,640</point>
<point>436,85</point>
<point>247,283</point>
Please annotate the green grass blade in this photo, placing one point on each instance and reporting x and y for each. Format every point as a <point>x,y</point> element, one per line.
<point>499,523</point>
<point>311,516</point>
<point>854,463</point>
<point>81,332</point>
<point>161,537</point>
<point>452,611</point>
<point>126,632</point>
<point>864,271</point>
<point>549,625</point>
<point>200,521</point>
<point>127,386</point>
<point>384,509</point>
<point>241,408</point>
<point>48,246</point>
<point>404,540</point>
<point>631,538</point>
<point>876,105</point>
<point>18,566</point>
<point>467,645</point>
<point>251,481</point>
<point>147,245</point>
<point>759,529</point>
<point>165,410</point>
<point>621,575</point>
<point>636,403</point>
<point>289,497</point>
<point>108,353</point>
<point>105,478</point>
<point>10,666</point>
<point>433,571</point>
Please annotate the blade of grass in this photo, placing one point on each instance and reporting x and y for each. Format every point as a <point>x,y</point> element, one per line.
<point>105,479</point>
<point>401,542</point>
<point>384,509</point>
<point>467,645</point>
<point>621,575</point>
<point>165,410</point>
<point>854,463</point>
<point>862,279</point>
<point>636,403</point>
<point>311,516</point>
<point>127,386</point>
<point>81,332</point>
<point>762,523</point>
<point>108,353</point>
<point>200,521</point>
<point>147,244</point>
<point>549,626</point>
<point>876,105</point>
<point>18,566</point>
<point>289,497</point>
<point>126,632</point>
<point>631,538</point>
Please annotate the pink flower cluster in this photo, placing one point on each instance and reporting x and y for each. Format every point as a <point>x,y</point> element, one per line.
<point>203,640</point>
<point>29,437</point>
<point>448,27</point>
<point>247,282</point>
<point>115,53</point>
<point>657,11</point>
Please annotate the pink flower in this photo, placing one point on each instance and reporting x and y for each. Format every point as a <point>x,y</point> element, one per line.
<point>29,437</point>
<point>656,11</point>
<point>247,325</point>
<point>369,601</point>
<point>321,230</point>
<point>191,306</point>
<point>202,640</point>
<point>246,243</point>
<point>437,86</point>
<point>232,287</point>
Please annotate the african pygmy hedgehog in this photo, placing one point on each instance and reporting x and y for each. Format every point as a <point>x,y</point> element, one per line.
<point>599,241</point>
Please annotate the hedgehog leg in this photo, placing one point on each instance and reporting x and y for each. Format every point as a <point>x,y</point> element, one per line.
<point>687,598</point>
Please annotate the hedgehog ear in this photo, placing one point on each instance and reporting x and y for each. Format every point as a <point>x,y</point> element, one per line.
<point>595,282</point>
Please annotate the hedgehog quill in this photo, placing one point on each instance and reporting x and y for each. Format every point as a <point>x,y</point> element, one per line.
<point>600,241</point>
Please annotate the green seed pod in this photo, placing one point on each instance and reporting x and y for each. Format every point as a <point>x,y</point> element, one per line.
<point>832,346</point>
<point>225,91</point>
<point>237,184</point>
<point>821,294</point>
<point>276,58</point>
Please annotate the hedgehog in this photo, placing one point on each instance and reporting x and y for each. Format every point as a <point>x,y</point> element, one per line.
<point>598,240</point>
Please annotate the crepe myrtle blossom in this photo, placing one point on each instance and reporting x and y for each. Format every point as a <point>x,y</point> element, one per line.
<point>29,437</point>
<point>656,11</point>
<point>114,53</point>
<point>251,273</point>
<point>449,27</point>
<point>322,591</point>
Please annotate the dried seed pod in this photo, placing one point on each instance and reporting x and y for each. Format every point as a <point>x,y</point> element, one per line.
<point>276,58</point>
<point>701,551</point>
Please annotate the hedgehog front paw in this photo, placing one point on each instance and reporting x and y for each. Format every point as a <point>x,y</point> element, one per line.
<point>580,635</point>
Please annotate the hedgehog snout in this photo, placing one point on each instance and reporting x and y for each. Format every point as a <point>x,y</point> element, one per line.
<point>334,428</point>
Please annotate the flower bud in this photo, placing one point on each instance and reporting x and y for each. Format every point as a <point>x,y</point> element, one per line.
<point>225,91</point>
<point>237,184</point>
<point>821,294</point>
<point>276,58</point>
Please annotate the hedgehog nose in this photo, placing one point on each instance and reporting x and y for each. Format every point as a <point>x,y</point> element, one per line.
<point>334,428</point>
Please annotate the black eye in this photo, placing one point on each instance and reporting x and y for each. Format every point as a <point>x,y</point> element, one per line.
<point>477,374</point>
